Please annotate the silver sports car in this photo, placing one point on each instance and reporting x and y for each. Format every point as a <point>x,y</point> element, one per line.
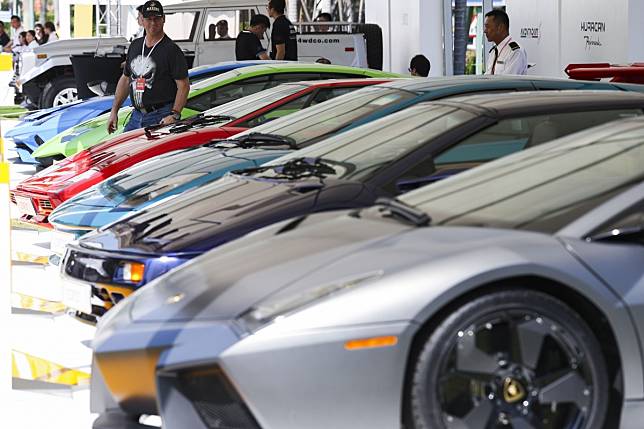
<point>510,296</point>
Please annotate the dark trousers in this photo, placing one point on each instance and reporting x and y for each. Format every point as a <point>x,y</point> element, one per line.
<point>142,120</point>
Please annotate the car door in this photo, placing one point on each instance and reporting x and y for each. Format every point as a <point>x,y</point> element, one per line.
<point>614,252</point>
<point>212,45</point>
<point>182,26</point>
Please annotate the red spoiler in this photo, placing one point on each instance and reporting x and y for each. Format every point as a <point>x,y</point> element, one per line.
<point>632,73</point>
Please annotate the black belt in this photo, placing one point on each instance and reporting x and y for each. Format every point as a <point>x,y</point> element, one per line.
<point>151,108</point>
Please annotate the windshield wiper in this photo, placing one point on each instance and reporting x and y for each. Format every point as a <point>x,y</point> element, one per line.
<point>255,139</point>
<point>394,208</point>
<point>297,168</point>
<point>148,130</point>
<point>202,120</point>
<point>186,124</point>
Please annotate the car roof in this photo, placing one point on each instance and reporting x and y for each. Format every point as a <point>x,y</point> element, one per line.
<point>521,102</point>
<point>421,85</point>
<point>229,65</point>
<point>338,82</point>
<point>290,67</point>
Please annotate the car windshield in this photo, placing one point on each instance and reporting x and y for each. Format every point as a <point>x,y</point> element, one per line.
<point>254,102</point>
<point>359,153</point>
<point>315,123</point>
<point>541,189</point>
<point>206,83</point>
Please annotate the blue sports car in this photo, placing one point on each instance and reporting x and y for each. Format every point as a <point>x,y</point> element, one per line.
<point>144,184</point>
<point>42,125</point>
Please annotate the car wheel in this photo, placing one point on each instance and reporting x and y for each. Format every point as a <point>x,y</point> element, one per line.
<point>515,359</point>
<point>61,90</point>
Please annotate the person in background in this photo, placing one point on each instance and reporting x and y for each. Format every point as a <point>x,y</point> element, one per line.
<point>31,40</point>
<point>22,43</point>
<point>419,66</point>
<point>506,56</point>
<point>155,75</point>
<point>323,17</point>
<point>248,45</point>
<point>222,29</point>
<point>50,31</point>
<point>16,29</point>
<point>41,37</point>
<point>283,35</point>
<point>4,37</point>
<point>139,20</point>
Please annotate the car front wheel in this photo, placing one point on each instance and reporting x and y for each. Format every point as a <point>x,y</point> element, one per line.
<point>511,359</point>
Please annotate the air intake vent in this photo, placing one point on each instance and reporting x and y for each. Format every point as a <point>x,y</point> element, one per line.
<point>215,399</point>
<point>45,205</point>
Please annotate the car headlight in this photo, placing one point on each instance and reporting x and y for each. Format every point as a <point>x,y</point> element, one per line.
<point>131,272</point>
<point>272,311</point>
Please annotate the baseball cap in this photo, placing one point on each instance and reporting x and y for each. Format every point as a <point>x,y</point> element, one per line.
<point>152,8</point>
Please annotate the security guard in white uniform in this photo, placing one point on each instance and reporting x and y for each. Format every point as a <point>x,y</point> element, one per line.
<point>506,57</point>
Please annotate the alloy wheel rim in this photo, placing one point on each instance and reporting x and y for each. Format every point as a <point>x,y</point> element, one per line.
<point>515,369</point>
<point>65,96</point>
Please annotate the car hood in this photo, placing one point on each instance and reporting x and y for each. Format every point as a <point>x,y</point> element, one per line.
<point>82,135</point>
<point>56,175</point>
<point>154,180</point>
<point>273,267</point>
<point>197,221</point>
<point>47,126</point>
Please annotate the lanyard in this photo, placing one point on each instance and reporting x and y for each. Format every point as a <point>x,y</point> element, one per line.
<point>153,46</point>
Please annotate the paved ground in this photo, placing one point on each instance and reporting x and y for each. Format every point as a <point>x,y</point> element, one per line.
<point>47,344</point>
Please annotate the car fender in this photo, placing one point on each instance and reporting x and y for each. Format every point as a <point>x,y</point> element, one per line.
<point>441,278</point>
<point>50,63</point>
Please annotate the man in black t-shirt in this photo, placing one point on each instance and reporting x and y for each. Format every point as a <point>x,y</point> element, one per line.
<point>155,75</point>
<point>248,45</point>
<point>283,35</point>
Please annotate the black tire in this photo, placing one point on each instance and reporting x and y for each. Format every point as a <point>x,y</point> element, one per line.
<point>53,88</point>
<point>373,35</point>
<point>453,355</point>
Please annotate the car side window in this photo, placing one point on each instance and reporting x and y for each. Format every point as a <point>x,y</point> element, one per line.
<point>181,26</point>
<point>329,93</point>
<point>230,92</point>
<point>279,111</point>
<point>225,24</point>
<point>298,104</point>
<point>296,77</point>
<point>627,227</point>
<point>512,135</point>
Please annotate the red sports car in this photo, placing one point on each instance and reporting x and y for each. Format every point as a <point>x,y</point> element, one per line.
<point>38,195</point>
<point>632,73</point>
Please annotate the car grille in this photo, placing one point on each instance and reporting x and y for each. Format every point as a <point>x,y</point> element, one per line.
<point>215,399</point>
<point>45,206</point>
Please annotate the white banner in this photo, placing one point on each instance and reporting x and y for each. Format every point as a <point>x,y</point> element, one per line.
<point>556,33</point>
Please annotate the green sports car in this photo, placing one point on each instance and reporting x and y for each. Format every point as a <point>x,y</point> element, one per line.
<point>204,95</point>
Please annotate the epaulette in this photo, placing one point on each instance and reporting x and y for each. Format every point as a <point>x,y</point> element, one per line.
<point>514,46</point>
